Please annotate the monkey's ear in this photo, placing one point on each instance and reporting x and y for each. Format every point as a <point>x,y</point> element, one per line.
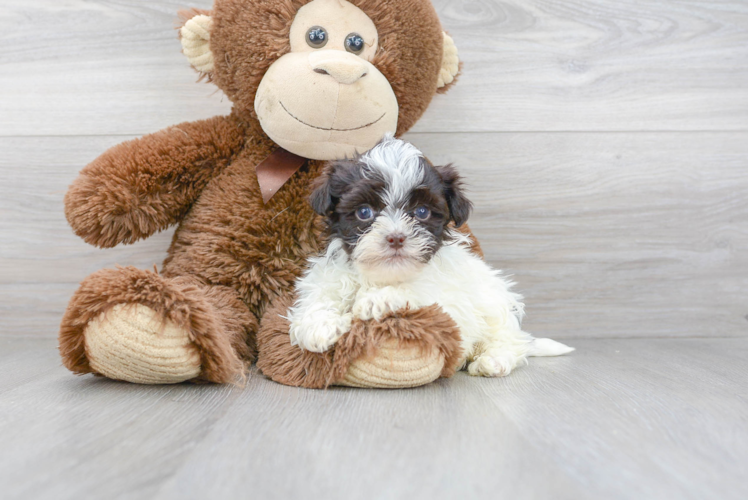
<point>450,65</point>
<point>195,38</point>
<point>459,206</point>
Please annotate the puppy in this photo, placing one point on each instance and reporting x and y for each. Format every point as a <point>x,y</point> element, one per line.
<point>392,246</point>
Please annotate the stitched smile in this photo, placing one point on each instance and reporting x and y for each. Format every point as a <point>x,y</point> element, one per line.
<point>331,128</point>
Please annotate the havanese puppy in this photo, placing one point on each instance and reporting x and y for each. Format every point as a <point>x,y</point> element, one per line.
<point>392,246</point>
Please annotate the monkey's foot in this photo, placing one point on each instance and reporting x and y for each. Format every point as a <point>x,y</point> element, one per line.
<point>139,326</point>
<point>132,342</point>
<point>395,366</point>
<point>406,348</point>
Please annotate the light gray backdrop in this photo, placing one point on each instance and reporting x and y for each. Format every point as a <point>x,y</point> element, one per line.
<point>605,143</point>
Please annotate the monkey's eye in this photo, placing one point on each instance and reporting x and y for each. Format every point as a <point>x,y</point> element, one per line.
<point>354,43</point>
<point>422,213</point>
<point>316,37</point>
<point>364,213</point>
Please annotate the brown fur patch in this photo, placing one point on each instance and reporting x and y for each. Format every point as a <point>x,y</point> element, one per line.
<point>230,237</point>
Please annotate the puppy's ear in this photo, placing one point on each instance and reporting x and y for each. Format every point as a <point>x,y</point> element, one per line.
<point>459,206</point>
<point>321,197</point>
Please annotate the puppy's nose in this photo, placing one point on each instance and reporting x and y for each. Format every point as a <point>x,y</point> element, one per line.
<point>345,68</point>
<point>396,240</point>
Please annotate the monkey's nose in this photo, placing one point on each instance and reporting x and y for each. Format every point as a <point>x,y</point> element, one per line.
<point>396,241</point>
<point>343,67</point>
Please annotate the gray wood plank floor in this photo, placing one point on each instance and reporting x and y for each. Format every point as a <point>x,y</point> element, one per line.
<point>618,419</point>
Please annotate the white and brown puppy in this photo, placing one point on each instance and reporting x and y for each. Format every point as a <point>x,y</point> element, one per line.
<point>391,247</point>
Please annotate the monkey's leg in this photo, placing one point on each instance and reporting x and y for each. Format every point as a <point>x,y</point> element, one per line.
<point>407,348</point>
<point>138,326</point>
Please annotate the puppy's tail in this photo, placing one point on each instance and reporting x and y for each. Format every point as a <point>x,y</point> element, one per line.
<point>548,347</point>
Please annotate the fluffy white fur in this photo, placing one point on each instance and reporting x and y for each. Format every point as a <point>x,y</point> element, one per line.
<point>477,298</point>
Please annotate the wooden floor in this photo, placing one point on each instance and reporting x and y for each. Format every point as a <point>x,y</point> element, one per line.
<point>605,144</point>
<point>618,419</point>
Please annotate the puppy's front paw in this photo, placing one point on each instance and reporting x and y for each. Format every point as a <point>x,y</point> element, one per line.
<point>375,304</point>
<point>317,332</point>
<point>495,363</point>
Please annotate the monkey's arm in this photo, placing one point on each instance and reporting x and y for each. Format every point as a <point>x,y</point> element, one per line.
<point>145,185</point>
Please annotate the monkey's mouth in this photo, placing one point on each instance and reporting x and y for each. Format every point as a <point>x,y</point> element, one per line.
<point>331,128</point>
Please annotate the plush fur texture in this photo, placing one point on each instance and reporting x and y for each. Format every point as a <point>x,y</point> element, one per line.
<point>231,255</point>
<point>389,213</point>
<point>143,186</point>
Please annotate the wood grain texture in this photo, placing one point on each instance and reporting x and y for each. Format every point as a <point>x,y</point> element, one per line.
<point>613,235</point>
<point>114,67</point>
<point>607,235</point>
<point>101,67</point>
<point>626,405</point>
<point>617,419</point>
<point>596,65</point>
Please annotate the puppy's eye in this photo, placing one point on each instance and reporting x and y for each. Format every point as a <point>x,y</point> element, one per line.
<point>422,213</point>
<point>364,213</point>
<point>316,37</point>
<point>354,43</point>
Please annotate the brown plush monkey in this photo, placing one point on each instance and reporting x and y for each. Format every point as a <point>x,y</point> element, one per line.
<point>322,79</point>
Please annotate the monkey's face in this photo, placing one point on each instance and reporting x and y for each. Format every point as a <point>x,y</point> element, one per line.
<point>325,99</point>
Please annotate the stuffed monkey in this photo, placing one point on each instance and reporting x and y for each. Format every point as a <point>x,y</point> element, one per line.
<point>309,81</point>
